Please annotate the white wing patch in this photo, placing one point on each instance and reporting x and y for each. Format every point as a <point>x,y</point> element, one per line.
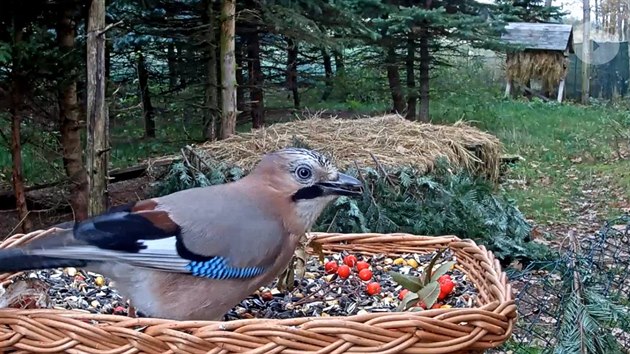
<point>159,254</point>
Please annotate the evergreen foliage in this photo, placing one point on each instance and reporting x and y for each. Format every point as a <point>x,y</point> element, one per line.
<point>528,11</point>
<point>576,302</point>
<point>440,203</point>
<point>587,321</point>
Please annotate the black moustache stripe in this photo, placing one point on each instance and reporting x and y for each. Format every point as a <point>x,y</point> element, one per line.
<point>310,192</point>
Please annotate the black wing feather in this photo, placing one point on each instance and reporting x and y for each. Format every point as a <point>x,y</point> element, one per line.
<point>121,231</point>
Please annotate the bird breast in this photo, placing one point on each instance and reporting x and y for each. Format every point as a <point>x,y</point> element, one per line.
<point>308,211</point>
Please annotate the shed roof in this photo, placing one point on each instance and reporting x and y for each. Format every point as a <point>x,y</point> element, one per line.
<point>540,36</point>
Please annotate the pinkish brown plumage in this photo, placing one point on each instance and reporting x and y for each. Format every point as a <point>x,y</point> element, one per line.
<point>194,254</point>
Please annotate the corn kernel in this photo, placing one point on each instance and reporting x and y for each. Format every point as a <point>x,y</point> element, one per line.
<point>99,281</point>
<point>412,263</point>
<point>400,261</point>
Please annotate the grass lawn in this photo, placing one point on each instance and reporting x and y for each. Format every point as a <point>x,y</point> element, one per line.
<point>571,152</point>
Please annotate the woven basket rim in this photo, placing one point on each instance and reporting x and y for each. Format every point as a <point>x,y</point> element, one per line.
<point>490,324</point>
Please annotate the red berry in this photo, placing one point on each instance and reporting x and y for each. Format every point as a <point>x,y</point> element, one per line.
<point>365,274</point>
<point>373,288</point>
<point>402,294</point>
<point>421,304</point>
<point>267,296</point>
<point>444,277</point>
<point>350,260</point>
<point>445,288</point>
<point>331,267</point>
<point>362,265</point>
<point>343,271</point>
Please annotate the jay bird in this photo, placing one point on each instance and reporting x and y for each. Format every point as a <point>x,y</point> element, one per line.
<point>196,253</point>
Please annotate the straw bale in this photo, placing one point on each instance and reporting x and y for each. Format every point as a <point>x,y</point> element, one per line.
<point>393,140</point>
<point>548,66</point>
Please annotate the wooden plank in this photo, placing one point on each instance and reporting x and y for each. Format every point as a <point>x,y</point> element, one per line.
<point>540,26</point>
<point>561,90</point>
<point>539,35</point>
<point>508,88</point>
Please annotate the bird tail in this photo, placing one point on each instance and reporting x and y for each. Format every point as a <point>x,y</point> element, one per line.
<point>16,259</point>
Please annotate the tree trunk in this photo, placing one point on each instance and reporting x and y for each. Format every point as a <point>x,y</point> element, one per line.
<point>586,52</point>
<point>218,6</point>
<point>181,62</point>
<point>148,112</point>
<point>292,56</point>
<point>425,61</point>
<point>171,59</point>
<point>219,67</point>
<point>17,99</point>
<point>328,70</point>
<point>211,100</point>
<point>97,119</point>
<point>340,72</point>
<point>412,96</point>
<point>393,77</point>
<point>619,27</point>
<point>256,77</point>
<point>70,128</point>
<point>228,72</point>
<point>16,154</point>
<point>340,66</point>
<point>240,86</point>
<point>108,60</point>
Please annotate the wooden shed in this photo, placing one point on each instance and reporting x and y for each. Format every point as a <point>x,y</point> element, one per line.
<point>542,54</point>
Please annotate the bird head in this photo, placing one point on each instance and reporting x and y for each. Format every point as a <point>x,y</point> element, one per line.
<point>308,179</point>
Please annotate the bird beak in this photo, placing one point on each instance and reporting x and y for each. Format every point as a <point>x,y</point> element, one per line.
<point>344,185</point>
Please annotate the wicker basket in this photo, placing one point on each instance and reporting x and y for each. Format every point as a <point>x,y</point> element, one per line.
<point>451,330</point>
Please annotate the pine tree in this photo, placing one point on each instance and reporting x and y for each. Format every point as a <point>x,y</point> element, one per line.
<point>528,11</point>
<point>427,27</point>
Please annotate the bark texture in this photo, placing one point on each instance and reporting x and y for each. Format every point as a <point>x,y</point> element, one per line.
<point>393,78</point>
<point>228,69</point>
<point>97,118</point>
<point>171,59</point>
<point>70,128</point>
<point>412,94</point>
<point>256,78</point>
<point>425,61</point>
<point>148,112</point>
<point>211,96</point>
<point>292,51</point>
<point>17,98</point>
<point>328,71</point>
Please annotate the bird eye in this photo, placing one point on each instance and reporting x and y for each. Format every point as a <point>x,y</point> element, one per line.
<point>303,172</point>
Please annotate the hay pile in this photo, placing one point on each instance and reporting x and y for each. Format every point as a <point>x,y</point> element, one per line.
<point>393,140</point>
<point>548,67</point>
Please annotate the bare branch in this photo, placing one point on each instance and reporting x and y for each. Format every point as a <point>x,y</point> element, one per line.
<point>109,27</point>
